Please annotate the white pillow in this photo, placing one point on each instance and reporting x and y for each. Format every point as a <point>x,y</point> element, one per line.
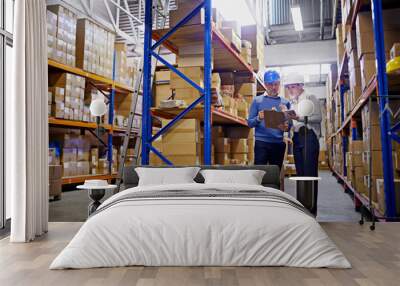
<point>166,176</point>
<point>247,177</point>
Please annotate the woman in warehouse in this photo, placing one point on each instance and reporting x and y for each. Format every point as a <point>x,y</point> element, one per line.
<point>269,145</point>
<point>305,141</point>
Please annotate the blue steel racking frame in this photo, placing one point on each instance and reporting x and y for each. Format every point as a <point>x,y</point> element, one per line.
<point>147,137</point>
<point>383,91</point>
<point>111,118</point>
<point>387,132</point>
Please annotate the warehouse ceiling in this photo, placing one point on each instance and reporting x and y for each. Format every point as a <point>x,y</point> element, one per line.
<point>279,24</point>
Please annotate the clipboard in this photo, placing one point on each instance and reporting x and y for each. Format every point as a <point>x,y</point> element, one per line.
<point>272,118</point>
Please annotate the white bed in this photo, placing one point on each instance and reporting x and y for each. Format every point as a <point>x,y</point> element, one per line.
<point>201,231</point>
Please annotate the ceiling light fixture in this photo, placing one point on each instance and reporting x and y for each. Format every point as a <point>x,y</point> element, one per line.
<point>296,16</point>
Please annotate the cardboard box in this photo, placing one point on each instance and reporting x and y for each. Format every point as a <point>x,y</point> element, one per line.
<point>247,89</point>
<point>368,68</point>
<point>239,145</point>
<point>222,158</point>
<point>181,137</point>
<point>55,188</point>
<point>254,34</point>
<point>190,61</point>
<point>162,77</point>
<point>184,125</point>
<point>55,172</point>
<point>184,160</point>
<point>187,94</point>
<point>242,157</point>
<point>189,148</point>
<point>233,38</point>
<point>381,195</point>
<point>222,145</point>
<point>162,92</point>
<point>184,8</point>
<point>181,83</point>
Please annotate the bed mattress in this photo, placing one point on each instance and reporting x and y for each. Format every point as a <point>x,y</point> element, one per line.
<point>201,225</point>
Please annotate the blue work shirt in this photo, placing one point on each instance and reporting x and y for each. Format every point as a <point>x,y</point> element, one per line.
<point>265,102</point>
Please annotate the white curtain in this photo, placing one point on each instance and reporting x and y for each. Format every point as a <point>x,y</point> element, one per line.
<point>27,124</point>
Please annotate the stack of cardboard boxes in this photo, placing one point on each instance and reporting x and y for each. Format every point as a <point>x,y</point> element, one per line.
<point>125,69</point>
<point>340,48</point>
<point>66,96</point>
<point>61,27</point>
<point>75,156</point>
<point>254,34</point>
<point>246,51</point>
<point>94,48</point>
<point>365,40</point>
<point>182,144</point>
<point>122,109</point>
<point>239,150</point>
<point>232,33</point>
<point>55,181</point>
<point>355,165</point>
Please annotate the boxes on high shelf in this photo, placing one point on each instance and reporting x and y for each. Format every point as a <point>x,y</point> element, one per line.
<point>254,34</point>
<point>365,35</point>
<point>94,48</point>
<point>121,65</point>
<point>339,44</point>
<point>367,68</point>
<point>51,35</point>
<point>351,41</point>
<point>232,37</point>
<point>194,73</point>
<point>246,51</point>
<point>162,87</point>
<point>66,34</point>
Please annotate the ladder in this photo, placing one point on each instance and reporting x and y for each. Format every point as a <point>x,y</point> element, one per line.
<point>160,12</point>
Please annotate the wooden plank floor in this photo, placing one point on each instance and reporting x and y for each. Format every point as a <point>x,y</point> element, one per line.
<point>375,257</point>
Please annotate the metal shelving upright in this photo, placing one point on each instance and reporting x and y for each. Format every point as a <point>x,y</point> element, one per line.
<point>149,47</point>
<point>102,84</point>
<point>379,86</point>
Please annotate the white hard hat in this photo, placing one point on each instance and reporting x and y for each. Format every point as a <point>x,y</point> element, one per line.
<point>294,78</point>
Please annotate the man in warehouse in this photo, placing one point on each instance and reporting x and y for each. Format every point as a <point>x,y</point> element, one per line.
<point>305,141</point>
<point>269,145</point>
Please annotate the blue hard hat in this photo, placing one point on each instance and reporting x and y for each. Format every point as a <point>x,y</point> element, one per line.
<point>271,77</point>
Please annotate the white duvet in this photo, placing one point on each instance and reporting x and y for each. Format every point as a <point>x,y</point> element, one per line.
<point>200,231</point>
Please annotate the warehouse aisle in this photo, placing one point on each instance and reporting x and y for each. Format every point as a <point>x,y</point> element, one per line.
<point>333,203</point>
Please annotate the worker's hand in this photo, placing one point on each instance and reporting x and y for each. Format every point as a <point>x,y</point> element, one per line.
<point>291,114</point>
<point>261,115</point>
<point>284,127</point>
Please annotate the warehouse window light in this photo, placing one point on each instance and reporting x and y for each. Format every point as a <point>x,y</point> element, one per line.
<point>296,16</point>
<point>239,11</point>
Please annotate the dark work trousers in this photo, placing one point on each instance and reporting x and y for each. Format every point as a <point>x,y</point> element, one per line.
<point>269,153</point>
<point>306,159</point>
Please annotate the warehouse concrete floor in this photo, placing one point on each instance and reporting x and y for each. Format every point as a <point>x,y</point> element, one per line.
<point>333,203</point>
